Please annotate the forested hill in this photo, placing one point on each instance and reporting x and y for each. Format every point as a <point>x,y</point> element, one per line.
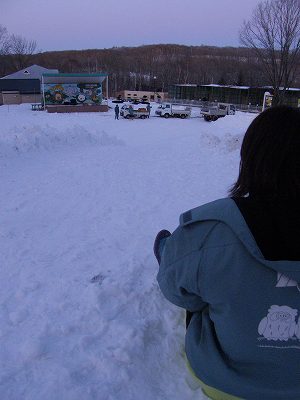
<point>152,66</point>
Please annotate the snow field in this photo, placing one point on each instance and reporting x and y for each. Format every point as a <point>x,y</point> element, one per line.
<point>83,197</point>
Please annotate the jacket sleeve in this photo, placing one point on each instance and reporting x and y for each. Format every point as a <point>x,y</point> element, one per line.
<point>179,275</point>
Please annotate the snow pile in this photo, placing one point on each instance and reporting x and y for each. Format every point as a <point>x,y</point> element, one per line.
<point>81,315</point>
<point>37,137</point>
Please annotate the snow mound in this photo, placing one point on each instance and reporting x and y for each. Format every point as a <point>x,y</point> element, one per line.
<point>38,137</point>
<point>226,134</point>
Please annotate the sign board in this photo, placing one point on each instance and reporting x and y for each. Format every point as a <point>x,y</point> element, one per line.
<point>72,93</point>
<point>267,103</point>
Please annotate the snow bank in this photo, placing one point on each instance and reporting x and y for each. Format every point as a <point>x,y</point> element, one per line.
<point>37,137</point>
<point>26,137</point>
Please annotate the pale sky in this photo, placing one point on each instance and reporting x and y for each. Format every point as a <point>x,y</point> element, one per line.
<point>91,24</point>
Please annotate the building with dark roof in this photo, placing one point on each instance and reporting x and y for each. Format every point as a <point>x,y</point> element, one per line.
<point>239,95</point>
<point>23,86</point>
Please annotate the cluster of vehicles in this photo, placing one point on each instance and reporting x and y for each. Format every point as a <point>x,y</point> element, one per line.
<point>210,112</point>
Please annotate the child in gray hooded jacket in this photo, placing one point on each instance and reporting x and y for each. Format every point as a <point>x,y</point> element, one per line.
<point>234,265</point>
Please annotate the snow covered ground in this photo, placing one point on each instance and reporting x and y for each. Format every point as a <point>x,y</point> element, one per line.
<point>82,198</point>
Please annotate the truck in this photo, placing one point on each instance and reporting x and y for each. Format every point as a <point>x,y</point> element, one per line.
<point>134,111</point>
<point>173,110</point>
<point>217,110</point>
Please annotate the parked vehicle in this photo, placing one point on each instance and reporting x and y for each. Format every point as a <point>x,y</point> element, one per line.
<point>218,110</point>
<point>173,110</point>
<point>135,111</point>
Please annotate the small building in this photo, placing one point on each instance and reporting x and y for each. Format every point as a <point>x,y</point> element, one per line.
<point>23,86</point>
<point>142,95</point>
<point>80,92</point>
<point>239,95</point>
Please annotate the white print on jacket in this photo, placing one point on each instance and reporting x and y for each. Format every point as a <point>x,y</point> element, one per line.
<point>279,324</point>
<point>284,281</point>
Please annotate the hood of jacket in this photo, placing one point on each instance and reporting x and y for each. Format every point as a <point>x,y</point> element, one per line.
<point>226,211</point>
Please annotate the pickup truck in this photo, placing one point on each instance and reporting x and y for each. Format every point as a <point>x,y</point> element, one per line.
<point>136,111</point>
<point>218,110</point>
<point>173,110</point>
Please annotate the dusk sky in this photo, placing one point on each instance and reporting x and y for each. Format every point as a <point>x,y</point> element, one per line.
<point>90,24</point>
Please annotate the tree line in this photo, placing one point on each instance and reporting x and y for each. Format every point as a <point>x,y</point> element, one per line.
<point>151,67</point>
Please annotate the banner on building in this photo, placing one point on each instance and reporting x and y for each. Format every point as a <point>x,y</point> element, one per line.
<point>72,93</point>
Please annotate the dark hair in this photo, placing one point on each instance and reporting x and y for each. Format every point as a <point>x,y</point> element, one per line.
<point>270,155</point>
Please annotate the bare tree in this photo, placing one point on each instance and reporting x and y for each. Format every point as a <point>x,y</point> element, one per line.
<point>21,49</point>
<point>4,41</point>
<point>273,33</point>
<point>4,51</point>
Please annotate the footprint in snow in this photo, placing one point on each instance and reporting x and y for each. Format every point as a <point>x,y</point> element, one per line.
<point>97,279</point>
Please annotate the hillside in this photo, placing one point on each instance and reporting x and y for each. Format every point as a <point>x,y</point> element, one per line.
<point>146,67</point>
